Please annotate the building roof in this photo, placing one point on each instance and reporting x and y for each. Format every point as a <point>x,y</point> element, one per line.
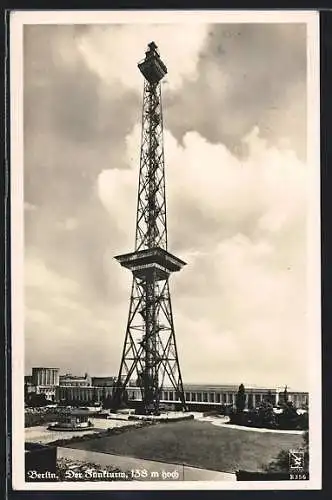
<point>77,412</point>
<point>226,387</point>
<point>44,368</point>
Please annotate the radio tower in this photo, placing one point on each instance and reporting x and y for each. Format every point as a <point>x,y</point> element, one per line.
<point>149,357</point>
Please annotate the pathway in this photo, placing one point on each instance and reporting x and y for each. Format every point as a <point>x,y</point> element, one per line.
<point>223,422</point>
<point>40,433</point>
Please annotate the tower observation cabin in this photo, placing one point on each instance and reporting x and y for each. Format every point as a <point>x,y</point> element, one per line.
<point>152,67</point>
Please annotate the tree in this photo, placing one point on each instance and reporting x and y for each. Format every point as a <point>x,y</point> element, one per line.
<point>289,419</point>
<point>26,392</point>
<point>118,399</point>
<point>36,400</point>
<point>95,396</point>
<point>240,401</point>
<point>266,416</point>
<point>107,402</point>
<point>268,398</point>
<point>124,400</point>
<point>285,396</point>
<point>223,409</point>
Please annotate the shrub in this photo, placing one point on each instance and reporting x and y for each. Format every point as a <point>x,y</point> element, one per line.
<point>264,417</point>
<point>288,419</point>
<point>240,398</point>
<point>238,417</point>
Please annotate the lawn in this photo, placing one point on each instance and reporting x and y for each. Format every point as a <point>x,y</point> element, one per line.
<point>197,444</point>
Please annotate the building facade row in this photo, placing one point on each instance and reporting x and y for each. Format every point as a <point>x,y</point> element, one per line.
<point>84,389</point>
<point>45,376</point>
<point>70,380</point>
<point>194,395</point>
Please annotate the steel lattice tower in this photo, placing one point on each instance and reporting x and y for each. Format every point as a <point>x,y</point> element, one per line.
<point>149,357</point>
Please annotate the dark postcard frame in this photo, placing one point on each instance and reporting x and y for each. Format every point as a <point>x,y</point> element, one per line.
<point>326,211</point>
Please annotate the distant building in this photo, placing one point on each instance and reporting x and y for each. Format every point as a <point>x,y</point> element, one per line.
<point>86,389</point>
<point>78,394</point>
<point>48,390</point>
<point>29,388</point>
<point>103,381</point>
<point>28,379</point>
<point>197,396</point>
<point>45,376</point>
<point>43,380</point>
<point>70,380</point>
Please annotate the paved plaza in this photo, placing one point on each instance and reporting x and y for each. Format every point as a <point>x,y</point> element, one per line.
<point>41,434</point>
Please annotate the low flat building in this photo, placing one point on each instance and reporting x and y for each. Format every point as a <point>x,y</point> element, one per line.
<point>70,380</point>
<point>78,394</point>
<point>103,381</point>
<point>197,396</point>
<point>48,390</point>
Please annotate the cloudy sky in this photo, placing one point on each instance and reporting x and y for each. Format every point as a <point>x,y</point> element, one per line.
<point>235,148</point>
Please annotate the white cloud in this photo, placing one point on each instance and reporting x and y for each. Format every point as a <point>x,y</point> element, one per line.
<point>69,224</point>
<point>62,326</point>
<point>38,275</point>
<point>114,51</point>
<point>29,207</point>
<point>241,227</point>
<point>210,189</point>
<point>37,316</point>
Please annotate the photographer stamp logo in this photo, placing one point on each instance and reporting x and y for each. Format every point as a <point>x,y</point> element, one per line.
<point>296,460</point>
